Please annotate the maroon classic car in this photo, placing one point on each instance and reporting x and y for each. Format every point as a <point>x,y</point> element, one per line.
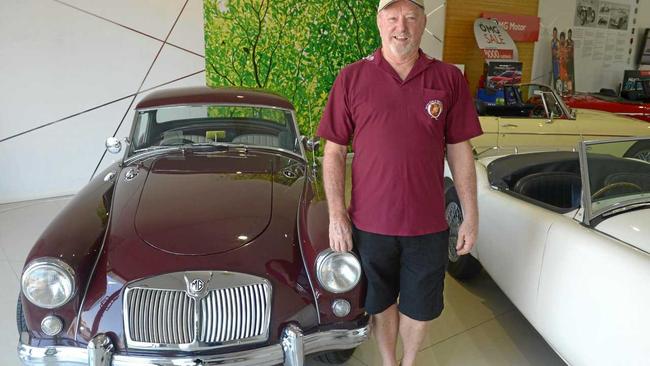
<point>207,244</point>
<point>614,104</point>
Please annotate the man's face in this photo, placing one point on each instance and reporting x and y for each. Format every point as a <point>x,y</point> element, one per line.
<point>401,26</point>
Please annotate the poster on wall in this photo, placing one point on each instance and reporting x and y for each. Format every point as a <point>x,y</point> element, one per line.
<point>562,60</point>
<point>291,47</point>
<point>500,73</point>
<point>602,14</point>
<point>494,41</point>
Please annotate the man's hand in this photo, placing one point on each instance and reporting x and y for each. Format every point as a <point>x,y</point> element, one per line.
<point>467,233</point>
<point>340,233</point>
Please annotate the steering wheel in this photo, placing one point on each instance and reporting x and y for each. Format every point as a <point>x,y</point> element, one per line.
<point>538,111</point>
<point>175,141</point>
<point>619,187</point>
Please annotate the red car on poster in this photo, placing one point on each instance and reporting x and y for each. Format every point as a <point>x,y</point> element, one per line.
<point>505,78</point>
<point>635,109</point>
<point>206,244</point>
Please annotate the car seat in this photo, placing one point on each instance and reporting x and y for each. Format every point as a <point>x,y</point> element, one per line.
<point>559,189</point>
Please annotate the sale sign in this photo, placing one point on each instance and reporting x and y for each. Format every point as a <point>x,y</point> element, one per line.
<point>521,28</point>
<point>494,41</point>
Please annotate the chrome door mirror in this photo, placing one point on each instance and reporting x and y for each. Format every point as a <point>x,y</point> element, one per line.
<point>113,145</point>
<point>310,144</point>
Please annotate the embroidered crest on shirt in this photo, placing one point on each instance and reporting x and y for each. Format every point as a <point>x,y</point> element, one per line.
<point>434,109</point>
<point>369,58</point>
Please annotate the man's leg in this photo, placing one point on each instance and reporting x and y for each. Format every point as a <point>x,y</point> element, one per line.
<point>412,332</point>
<point>385,326</point>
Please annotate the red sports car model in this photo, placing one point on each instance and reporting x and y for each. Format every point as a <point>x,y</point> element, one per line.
<point>634,109</point>
<point>207,244</point>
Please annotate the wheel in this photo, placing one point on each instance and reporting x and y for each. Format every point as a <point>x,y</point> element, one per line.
<point>465,266</point>
<point>336,357</point>
<point>640,150</point>
<point>20,317</point>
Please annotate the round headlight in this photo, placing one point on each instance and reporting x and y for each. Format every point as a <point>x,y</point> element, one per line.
<point>338,272</point>
<point>48,283</point>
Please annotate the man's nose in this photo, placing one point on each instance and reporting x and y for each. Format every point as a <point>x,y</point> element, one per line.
<point>401,24</point>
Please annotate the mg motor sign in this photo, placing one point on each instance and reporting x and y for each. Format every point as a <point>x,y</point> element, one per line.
<point>522,28</point>
<point>494,41</point>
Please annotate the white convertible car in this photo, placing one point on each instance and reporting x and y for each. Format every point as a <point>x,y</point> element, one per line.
<point>566,235</point>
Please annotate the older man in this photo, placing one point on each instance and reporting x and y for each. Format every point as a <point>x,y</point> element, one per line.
<point>403,110</point>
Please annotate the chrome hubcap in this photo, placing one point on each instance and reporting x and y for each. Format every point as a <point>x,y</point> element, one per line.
<point>643,155</point>
<point>454,217</point>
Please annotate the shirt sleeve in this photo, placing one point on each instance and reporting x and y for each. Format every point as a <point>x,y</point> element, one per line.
<point>337,125</point>
<point>462,120</point>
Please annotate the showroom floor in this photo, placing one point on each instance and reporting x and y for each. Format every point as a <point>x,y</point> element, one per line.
<point>479,326</point>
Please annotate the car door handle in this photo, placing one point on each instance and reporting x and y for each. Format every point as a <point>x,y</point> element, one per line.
<point>509,125</point>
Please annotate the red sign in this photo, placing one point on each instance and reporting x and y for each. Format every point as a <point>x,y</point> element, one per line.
<point>644,73</point>
<point>497,54</point>
<point>521,28</point>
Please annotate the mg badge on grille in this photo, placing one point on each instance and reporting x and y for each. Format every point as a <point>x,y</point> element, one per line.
<point>196,286</point>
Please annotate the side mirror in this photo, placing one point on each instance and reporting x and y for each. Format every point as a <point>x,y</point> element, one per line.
<point>310,144</point>
<point>114,145</point>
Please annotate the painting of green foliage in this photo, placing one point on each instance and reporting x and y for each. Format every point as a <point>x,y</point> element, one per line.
<point>291,47</point>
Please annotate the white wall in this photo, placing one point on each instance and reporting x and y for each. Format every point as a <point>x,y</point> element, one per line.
<point>72,70</point>
<point>80,66</point>
<point>434,34</point>
<point>590,74</point>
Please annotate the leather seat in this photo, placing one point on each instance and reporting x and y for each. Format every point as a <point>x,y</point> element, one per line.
<point>559,189</point>
<point>640,179</point>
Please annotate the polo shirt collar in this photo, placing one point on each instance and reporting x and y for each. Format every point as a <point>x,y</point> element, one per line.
<point>421,64</point>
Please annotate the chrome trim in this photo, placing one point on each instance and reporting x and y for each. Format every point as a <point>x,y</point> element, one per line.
<point>293,346</point>
<point>151,323</point>
<point>322,256</point>
<point>302,255</point>
<point>50,261</point>
<point>268,355</point>
<point>109,176</point>
<point>586,184</point>
<point>55,319</point>
<point>100,351</point>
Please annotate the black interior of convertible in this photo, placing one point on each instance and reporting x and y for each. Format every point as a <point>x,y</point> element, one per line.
<point>552,179</point>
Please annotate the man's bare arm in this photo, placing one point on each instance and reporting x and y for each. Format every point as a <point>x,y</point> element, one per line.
<point>340,228</point>
<point>461,163</point>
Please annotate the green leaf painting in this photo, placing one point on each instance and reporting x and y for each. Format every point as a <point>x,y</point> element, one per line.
<point>291,47</point>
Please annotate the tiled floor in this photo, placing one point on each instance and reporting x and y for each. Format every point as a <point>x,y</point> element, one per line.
<point>479,327</point>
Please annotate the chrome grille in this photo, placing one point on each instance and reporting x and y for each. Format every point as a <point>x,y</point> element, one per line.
<point>167,312</point>
<point>233,313</point>
<point>161,316</point>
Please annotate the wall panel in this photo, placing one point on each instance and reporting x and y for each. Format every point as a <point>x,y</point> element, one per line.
<point>460,46</point>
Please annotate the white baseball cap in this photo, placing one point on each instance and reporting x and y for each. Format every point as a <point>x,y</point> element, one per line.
<point>385,3</point>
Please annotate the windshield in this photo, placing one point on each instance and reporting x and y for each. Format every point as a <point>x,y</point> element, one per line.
<point>215,124</point>
<point>615,180</point>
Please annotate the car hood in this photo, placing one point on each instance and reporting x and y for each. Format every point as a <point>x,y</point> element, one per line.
<point>191,206</point>
<point>630,227</point>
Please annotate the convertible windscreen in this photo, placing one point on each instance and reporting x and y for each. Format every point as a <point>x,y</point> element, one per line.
<point>616,180</point>
<point>221,124</point>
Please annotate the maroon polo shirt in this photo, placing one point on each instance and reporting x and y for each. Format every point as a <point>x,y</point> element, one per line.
<point>399,130</point>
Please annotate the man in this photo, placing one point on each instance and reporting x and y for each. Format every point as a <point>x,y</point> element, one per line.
<point>403,110</point>
<point>555,47</point>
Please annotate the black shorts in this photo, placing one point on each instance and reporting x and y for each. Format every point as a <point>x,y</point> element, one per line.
<point>412,267</point>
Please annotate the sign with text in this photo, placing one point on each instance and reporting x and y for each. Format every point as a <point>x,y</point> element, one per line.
<point>494,41</point>
<point>521,28</point>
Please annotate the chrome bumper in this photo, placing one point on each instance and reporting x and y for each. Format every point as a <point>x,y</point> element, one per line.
<point>290,351</point>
